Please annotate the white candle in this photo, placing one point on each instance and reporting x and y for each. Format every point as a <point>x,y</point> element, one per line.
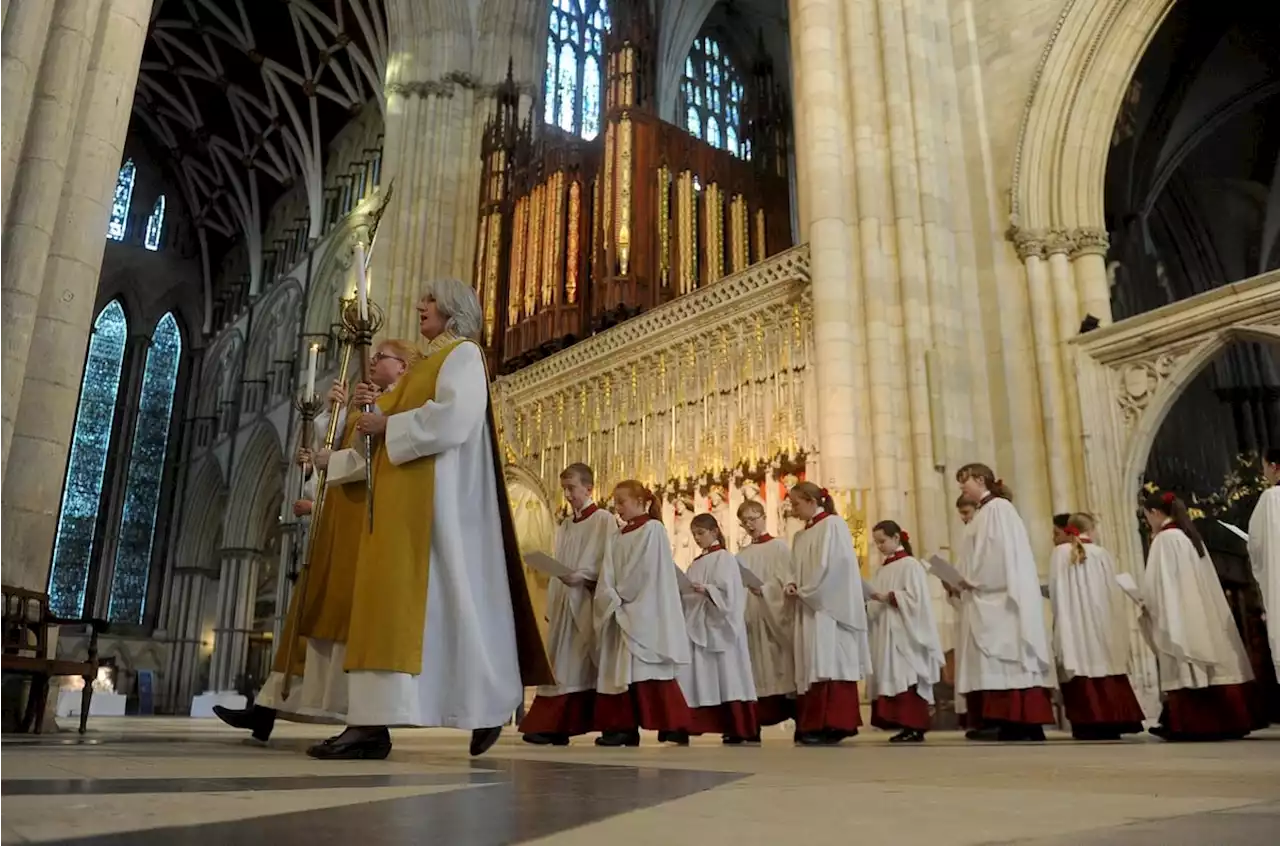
<point>362,283</point>
<point>311,371</point>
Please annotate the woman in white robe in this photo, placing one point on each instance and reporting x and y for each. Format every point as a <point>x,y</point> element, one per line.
<point>1003,667</point>
<point>1205,677</point>
<point>583,543</point>
<point>1091,636</point>
<point>906,655</point>
<point>639,627</point>
<point>1264,549</point>
<point>717,682</point>
<point>832,654</point>
<point>770,617</point>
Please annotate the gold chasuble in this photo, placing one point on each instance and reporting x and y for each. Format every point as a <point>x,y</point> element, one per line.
<point>323,595</point>
<point>389,607</point>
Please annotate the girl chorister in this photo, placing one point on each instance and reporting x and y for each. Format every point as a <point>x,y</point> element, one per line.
<point>640,627</point>
<point>906,654</point>
<point>1091,636</point>
<point>831,650</point>
<point>770,618</point>
<point>717,683</point>
<point>584,543</point>
<point>1205,676</point>
<point>1002,657</point>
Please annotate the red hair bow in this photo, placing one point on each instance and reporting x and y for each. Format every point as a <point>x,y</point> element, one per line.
<point>1168,498</point>
<point>1000,482</point>
<point>904,535</point>
<point>1073,531</point>
<point>825,494</point>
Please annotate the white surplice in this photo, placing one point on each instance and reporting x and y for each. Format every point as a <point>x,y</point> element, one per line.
<point>1195,637</point>
<point>639,620</point>
<point>1090,614</point>
<point>1264,557</point>
<point>470,674</point>
<point>719,669</point>
<point>321,694</point>
<point>905,650</point>
<point>830,611</point>
<point>582,545</point>
<point>770,618</point>
<point>1002,640</point>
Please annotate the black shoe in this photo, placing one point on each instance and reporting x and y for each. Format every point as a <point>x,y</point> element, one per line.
<point>619,738</point>
<point>908,736</point>
<point>256,719</point>
<point>483,739</point>
<point>546,738</point>
<point>811,738</point>
<point>989,733</point>
<point>730,740</point>
<point>1161,732</point>
<point>372,744</point>
<point>679,738</point>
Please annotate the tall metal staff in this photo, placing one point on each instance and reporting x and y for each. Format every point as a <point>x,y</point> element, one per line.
<point>363,322</point>
<point>308,406</point>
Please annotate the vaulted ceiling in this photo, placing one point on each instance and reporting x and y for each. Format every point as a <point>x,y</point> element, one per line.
<point>245,95</point>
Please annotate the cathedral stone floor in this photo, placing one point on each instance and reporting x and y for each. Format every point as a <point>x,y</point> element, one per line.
<point>176,782</point>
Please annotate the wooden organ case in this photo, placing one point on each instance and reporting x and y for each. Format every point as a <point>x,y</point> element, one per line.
<point>575,236</point>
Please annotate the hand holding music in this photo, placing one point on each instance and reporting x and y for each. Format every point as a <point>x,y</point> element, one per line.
<point>702,589</point>
<point>791,590</point>
<point>573,579</point>
<point>757,591</point>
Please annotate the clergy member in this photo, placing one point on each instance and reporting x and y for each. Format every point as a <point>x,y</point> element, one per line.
<point>1264,549</point>
<point>906,655</point>
<point>717,682</point>
<point>770,618</point>
<point>442,631</point>
<point>320,605</point>
<point>1205,677</point>
<point>583,543</point>
<point>831,650</point>
<point>1091,636</point>
<point>640,627</point>
<point>1002,657</point>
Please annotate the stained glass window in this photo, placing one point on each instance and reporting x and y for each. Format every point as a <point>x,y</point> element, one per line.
<point>155,225</point>
<point>82,487</point>
<point>712,97</point>
<point>146,472</point>
<point>119,220</point>
<point>575,56</point>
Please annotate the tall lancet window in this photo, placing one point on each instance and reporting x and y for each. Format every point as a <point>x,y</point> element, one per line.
<point>119,220</point>
<point>82,487</point>
<point>712,97</point>
<point>575,65</point>
<point>135,540</point>
<point>155,225</point>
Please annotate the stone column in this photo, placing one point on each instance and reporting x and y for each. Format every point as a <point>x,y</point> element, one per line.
<point>1068,314</point>
<point>820,90</point>
<point>1089,261</point>
<point>237,594</point>
<point>42,429</point>
<point>37,191</point>
<point>26,29</point>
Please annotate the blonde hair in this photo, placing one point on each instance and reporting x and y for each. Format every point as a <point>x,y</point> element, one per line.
<point>1083,525</point>
<point>402,349</point>
<point>750,506</point>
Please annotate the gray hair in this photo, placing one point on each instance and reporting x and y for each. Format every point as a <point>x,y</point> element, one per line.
<point>458,302</point>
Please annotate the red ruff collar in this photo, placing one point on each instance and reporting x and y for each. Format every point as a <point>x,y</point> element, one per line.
<point>816,519</point>
<point>632,525</point>
<point>586,512</point>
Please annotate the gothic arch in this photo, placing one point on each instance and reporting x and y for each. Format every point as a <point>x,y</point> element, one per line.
<point>275,328</point>
<point>1060,163</point>
<point>205,502</point>
<point>220,373</point>
<point>256,484</point>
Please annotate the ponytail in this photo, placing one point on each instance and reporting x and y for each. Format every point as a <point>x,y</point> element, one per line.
<point>637,490</point>
<point>996,487</point>
<point>1078,525</point>
<point>893,530</point>
<point>813,493</point>
<point>707,522</point>
<point>1168,504</point>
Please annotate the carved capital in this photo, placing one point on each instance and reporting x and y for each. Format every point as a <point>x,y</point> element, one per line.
<point>1059,242</point>
<point>1028,242</point>
<point>1089,240</point>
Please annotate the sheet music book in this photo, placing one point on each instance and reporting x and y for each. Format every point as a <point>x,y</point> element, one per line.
<point>1235,530</point>
<point>942,568</point>
<point>1129,586</point>
<point>544,563</point>
<point>868,590</point>
<point>1044,591</point>
<point>682,580</point>
<point>749,579</point>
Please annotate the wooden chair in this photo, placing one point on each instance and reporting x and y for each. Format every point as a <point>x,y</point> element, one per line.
<point>26,623</point>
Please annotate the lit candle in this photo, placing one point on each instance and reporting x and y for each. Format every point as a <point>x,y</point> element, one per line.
<point>311,371</point>
<point>362,283</point>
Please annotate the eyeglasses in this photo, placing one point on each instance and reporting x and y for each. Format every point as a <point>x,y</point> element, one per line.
<point>381,356</point>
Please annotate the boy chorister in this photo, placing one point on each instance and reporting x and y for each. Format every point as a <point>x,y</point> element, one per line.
<point>770,618</point>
